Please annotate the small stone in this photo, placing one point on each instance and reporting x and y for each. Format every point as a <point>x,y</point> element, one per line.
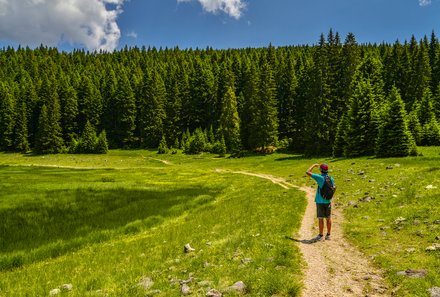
<point>428,187</point>
<point>437,222</point>
<point>246,260</point>
<point>399,220</point>
<point>434,291</point>
<point>416,222</point>
<point>238,287</point>
<point>361,173</point>
<point>437,238</point>
<point>214,293</point>
<point>204,283</point>
<point>389,167</point>
<point>146,283</point>
<point>185,290</point>
<point>187,248</point>
<point>67,287</point>
<point>410,250</point>
<point>54,292</point>
<point>412,273</point>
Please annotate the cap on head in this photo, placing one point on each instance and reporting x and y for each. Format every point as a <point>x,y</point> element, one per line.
<point>324,168</point>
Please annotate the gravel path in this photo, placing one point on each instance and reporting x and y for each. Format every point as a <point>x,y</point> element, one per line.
<point>334,267</point>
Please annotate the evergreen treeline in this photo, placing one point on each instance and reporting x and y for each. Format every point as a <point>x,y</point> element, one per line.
<point>335,97</point>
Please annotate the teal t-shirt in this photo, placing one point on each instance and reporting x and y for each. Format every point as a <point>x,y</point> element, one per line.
<point>319,178</point>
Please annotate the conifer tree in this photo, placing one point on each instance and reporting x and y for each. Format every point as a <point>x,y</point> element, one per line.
<point>69,109</point>
<point>21,142</point>
<point>362,121</point>
<point>101,143</point>
<point>152,110</point>
<point>163,147</point>
<point>340,143</point>
<point>287,99</point>
<point>230,121</point>
<point>122,131</point>
<point>264,122</point>
<point>414,126</point>
<point>316,92</point>
<point>247,107</point>
<point>89,102</point>
<point>87,142</point>
<point>7,123</point>
<point>203,96</point>
<point>394,138</point>
<point>49,137</point>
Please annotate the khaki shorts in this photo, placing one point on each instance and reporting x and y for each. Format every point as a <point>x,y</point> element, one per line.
<point>323,210</point>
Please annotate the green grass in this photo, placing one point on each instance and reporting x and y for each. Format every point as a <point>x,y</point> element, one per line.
<point>111,223</point>
<point>103,223</point>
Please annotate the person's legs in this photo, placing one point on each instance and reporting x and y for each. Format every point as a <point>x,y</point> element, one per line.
<point>321,226</point>
<point>329,227</point>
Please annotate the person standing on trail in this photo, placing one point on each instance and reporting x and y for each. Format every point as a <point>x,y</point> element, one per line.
<point>323,206</point>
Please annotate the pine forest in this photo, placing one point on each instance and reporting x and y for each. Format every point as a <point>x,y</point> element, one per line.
<point>335,98</point>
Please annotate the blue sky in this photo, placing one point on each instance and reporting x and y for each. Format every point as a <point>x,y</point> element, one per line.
<point>110,24</point>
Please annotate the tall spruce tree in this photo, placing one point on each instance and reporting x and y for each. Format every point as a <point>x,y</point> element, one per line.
<point>7,118</point>
<point>121,133</point>
<point>264,121</point>
<point>229,121</point>
<point>20,137</point>
<point>340,143</point>
<point>316,136</point>
<point>394,138</point>
<point>152,110</point>
<point>362,121</point>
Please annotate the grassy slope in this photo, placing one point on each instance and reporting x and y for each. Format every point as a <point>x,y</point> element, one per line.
<point>105,229</point>
<point>239,216</point>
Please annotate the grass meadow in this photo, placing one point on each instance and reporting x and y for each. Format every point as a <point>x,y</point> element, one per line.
<point>107,223</point>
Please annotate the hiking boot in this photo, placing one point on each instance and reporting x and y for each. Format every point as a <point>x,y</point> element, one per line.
<point>327,237</point>
<point>318,238</point>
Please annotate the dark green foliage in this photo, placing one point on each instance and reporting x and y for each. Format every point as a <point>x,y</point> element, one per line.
<point>7,102</point>
<point>264,120</point>
<point>229,128</point>
<point>49,138</point>
<point>196,143</point>
<point>394,138</point>
<point>152,110</point>
<point>340,143</point>
<point>362,123</point>
<point>163,148</point>
<point>101,146</point>
<point>250,97</point>
<point>87,142</point>
<point>21,142</point>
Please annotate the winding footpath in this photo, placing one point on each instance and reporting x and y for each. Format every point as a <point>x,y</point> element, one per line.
<point>334,268</point>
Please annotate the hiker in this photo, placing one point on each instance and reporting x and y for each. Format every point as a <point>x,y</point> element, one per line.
<point>323,206</point>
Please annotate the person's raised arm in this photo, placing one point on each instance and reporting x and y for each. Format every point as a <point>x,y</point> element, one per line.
<point>309,171</point>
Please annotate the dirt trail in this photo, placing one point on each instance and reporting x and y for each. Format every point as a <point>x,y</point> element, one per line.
<point>334,267</point>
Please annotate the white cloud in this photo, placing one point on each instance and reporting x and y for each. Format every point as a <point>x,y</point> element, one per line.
<point>132,34</point>
<point>86,22</point>
<point>234,8</point>
<point>424,2</point>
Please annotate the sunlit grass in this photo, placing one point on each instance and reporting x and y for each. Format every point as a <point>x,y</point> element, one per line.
<point>103,223</point>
